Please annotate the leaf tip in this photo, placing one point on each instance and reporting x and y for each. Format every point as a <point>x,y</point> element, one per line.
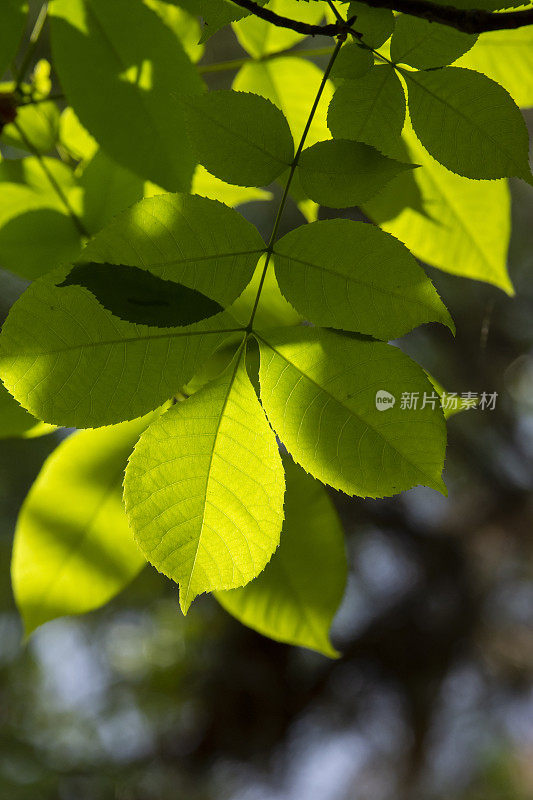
<point>185,601</point>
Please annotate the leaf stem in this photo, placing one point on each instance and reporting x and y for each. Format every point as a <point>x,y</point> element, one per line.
<point>237,63</point>
<point>281,208</point>
<point>34,39</point>
<point>82,230</point>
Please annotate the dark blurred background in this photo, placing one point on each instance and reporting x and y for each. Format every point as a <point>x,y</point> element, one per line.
<point>433,698</point>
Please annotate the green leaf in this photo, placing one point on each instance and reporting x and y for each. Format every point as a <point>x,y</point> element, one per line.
<point>273,310</point>
<point>292,85</point>
<point>15,421</point>
<point>351,275</point>
<point>260,38</point>
<point>123,70</point>
<point>468,123</point>
<point>40,123</point>
<point>401,192</point>
<point>135,295</point>
<point>36,233</point>
<point>204,488</point>
<point>507,58</point>
<point>467,229</point>
<point>192,240</point>
<point>185,25</point>
<point>341,173</point>
<point>108,188</point>
<point>375,24</point>
<point>352,62</point>
<point>370,110</point>
<point>73,548</point>
<point>320,391</point>
<point>74,138</point>
<point>14,13</point>
<point>241,138</point>
<point>70,362</point>
<point>207,185</point>
<point>216,13</point>
<point>296,596</point>
<point>425,44</point>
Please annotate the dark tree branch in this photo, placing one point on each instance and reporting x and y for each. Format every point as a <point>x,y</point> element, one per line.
<point>468,21</point>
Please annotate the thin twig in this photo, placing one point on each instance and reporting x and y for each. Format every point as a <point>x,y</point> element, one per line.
<point>52,180</point>
<point>34,39</point>
<point>466,20</point>
<point>272,240</point>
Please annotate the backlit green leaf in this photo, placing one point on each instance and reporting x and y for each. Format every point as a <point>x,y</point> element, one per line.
<point>14,14</point>
<point>340,173</point>
<point>425,45</point>
<point>135,295</point>
<point>469,123</point>
<point>240,137</point>
<point>291,84</point>
<point>467,226</point>
<point>206,185</point>
<point>352,62</point>
<point>321,392</point>
<point>370,109</point>
<point>192,240</point>
<point>15,421</point>
<point>36,232</point>
<point>74,363</point>
<point>375,24</point>
<point>296,596</point>
<point>73,548</point>
<point>204,488</point>
<point>351,275</point>
<point>507,58</point>
<point>70,362</point>
<point>40,124</point>
<point>108,188</point>
<point>121,63</point>
<point>184,24</point>
<point>259,38</point>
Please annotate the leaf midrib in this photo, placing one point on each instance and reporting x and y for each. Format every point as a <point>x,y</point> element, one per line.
<point>350,410</point>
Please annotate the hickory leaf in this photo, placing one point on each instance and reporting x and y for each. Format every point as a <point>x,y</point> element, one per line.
<point>40,123</point>
<point>108,188</point>
<point>426,45</point>
<point>352,62</point>
<point>291,84</point>
<point>135,295</point>
<point>259,38</point>
<point>15,421</point>
<point>192,240</point>
<point>507,58</point>
<point>71,362</point>
<point>240,137</point>
<point>341,173</point>
<point>468,123</point>
<point>466,228</point>
<point>283,602</point>
<point>14,14</point>
<point>204,488</point>
<point>73,548</point>
<point>138,71</point>
<point>370,109</point>
<point>351,275</point>
<point>36,232</point>
<point>374,24</point>
<point>320,392</point>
